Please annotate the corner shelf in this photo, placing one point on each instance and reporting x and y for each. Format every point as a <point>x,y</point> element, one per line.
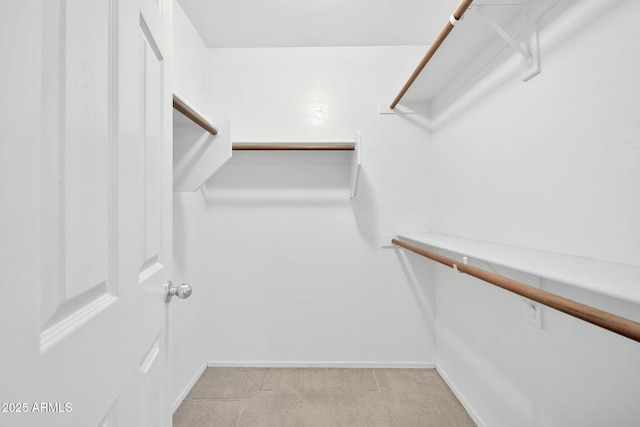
<point>602,277</point>
<point>197,152</point>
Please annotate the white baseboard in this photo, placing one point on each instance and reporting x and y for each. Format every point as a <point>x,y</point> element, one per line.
<point>297,364</point>
<point>465,403</point>
<point>188,388</point>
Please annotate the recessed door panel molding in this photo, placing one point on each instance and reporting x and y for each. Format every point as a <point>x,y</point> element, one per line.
<point>151,371</point>
<point>153,127</point>
<point>78,181</point>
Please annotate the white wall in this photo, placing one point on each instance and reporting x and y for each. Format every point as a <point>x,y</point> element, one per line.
<point>189,60</point>
<point>186,327</point>
<point>552,164</point>
<point>296,273</point>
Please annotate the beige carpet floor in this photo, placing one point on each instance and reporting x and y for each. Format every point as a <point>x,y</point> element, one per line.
<point>328,397</point>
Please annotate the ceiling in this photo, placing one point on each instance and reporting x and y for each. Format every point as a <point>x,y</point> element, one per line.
<point>290,23</point>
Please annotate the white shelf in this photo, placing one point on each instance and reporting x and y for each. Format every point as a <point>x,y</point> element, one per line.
<point>197,154</point>
<point>607,278</point>
<point>292,168</point>
<point>472,48</point>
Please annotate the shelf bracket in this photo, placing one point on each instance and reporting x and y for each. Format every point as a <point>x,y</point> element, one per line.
<point>530,62</point>
<point>355,167</point>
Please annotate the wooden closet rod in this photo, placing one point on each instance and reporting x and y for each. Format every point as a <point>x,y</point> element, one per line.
<point>455,17</point>
<point>280,147</point>
<point>606,320</point>
<point>192,115</point>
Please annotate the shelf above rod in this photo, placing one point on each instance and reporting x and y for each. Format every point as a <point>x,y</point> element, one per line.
<point>193,115</point>
<point>294,147</point>
<point>453,20</point>
<point>614,323</point>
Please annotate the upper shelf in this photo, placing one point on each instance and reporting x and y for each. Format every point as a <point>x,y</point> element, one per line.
<point>192,114</point>
<point>603,277</point>
<point>198,152</point>
<point>464,48</point>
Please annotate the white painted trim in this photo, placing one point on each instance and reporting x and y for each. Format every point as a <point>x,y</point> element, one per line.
<point>187,388</point>
<point>71,323</point>
<point>310,364</point>
<point>465,403</point>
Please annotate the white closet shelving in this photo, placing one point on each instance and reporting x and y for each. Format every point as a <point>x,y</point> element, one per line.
<point>314,164</point>
<point>197,152</point>
<point>602,277</point>
<point>473,45</point>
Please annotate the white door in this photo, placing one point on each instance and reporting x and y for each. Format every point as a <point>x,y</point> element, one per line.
<point>94,210</point>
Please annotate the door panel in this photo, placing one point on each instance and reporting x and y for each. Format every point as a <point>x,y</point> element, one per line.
<point>153,128</point>
<point>77,165</point>
<point>151,371</point>
<point>105,216</point>
<point>84,144</point>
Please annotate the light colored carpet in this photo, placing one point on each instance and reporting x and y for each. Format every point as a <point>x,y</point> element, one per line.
<point>327,397</point>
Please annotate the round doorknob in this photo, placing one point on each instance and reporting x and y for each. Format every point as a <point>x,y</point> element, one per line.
<point>183,291</point>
